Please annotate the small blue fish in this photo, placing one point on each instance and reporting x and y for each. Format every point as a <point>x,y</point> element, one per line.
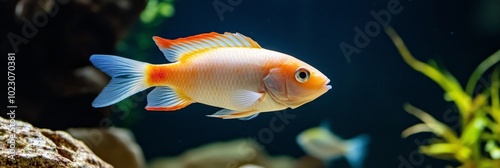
<point>322,143</point>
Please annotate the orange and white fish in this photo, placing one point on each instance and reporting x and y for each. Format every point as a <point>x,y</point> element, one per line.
<point>227,70</point>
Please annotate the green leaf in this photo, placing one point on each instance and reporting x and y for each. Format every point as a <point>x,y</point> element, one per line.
<point>166,9</point>
<point>495,100</point>
<point>447,151</point>
<point>493,149</point>
<point>437,127</point>
<point>476,75</point>
<point>472,132</point>
<point>149,13</point>
<point>447,82</point>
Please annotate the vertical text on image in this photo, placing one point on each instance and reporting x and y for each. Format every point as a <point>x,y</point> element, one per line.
<point>11,105</point>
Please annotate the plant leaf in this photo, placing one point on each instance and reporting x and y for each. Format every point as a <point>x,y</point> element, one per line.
<point>476,75</point>
<point>471,134</point>
<point>437,127</point>
<point>417,128</point>
<point>495,100</point>
<point>447,151</point>
<point>447,82</point>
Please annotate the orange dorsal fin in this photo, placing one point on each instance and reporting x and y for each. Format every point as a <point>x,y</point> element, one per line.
<point>174,50</point>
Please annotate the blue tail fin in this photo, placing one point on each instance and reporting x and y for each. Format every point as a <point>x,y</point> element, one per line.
<point>127,78</point>
<point>357,150</point>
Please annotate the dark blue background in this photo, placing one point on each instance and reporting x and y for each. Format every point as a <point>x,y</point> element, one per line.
<point>368,93</point>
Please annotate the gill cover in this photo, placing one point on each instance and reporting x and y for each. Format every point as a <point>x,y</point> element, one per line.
<point>281,89</point>
<point>275,84</point>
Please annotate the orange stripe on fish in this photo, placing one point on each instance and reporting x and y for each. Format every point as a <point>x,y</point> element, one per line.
<point>156,75</point>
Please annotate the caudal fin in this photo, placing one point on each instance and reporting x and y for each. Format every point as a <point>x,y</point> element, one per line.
<point>356,151</point>
<point>127,78</point>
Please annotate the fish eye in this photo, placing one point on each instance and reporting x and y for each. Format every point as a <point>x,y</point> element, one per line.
<point>302,75</point>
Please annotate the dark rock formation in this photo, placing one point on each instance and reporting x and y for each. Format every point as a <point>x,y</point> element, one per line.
<point>53,40</point>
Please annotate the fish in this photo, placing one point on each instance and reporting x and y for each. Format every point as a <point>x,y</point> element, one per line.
<point>321,143</point>
<point>230,71</point>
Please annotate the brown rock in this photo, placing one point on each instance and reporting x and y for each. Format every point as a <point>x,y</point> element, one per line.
<point>309,162</point>
<point>42,148</point>
<point>116,146</point>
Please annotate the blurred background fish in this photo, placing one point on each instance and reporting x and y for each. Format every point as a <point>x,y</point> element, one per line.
<point>320,142</point>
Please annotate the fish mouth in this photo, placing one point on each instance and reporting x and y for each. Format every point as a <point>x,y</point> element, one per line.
<point>327,86</point>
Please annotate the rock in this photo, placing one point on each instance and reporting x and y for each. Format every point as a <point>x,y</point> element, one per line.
<point>113,145</point>
<point>309,162</point>
<point>232,154</point>
<point>42,148</point>
<point>250,166</point>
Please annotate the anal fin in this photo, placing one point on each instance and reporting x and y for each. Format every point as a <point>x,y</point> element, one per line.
<point>249,117</point>
<point>164,98</point>
<point>232,114</point>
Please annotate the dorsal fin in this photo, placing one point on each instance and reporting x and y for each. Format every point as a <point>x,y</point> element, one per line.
<point>175,49</point>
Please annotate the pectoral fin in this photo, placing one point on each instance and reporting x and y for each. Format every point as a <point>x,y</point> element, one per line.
<point>243,99</point>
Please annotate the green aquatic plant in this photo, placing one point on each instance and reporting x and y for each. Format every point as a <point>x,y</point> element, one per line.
<point>137,43</point>
<point>477,142</point>
<point>156,11</point>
